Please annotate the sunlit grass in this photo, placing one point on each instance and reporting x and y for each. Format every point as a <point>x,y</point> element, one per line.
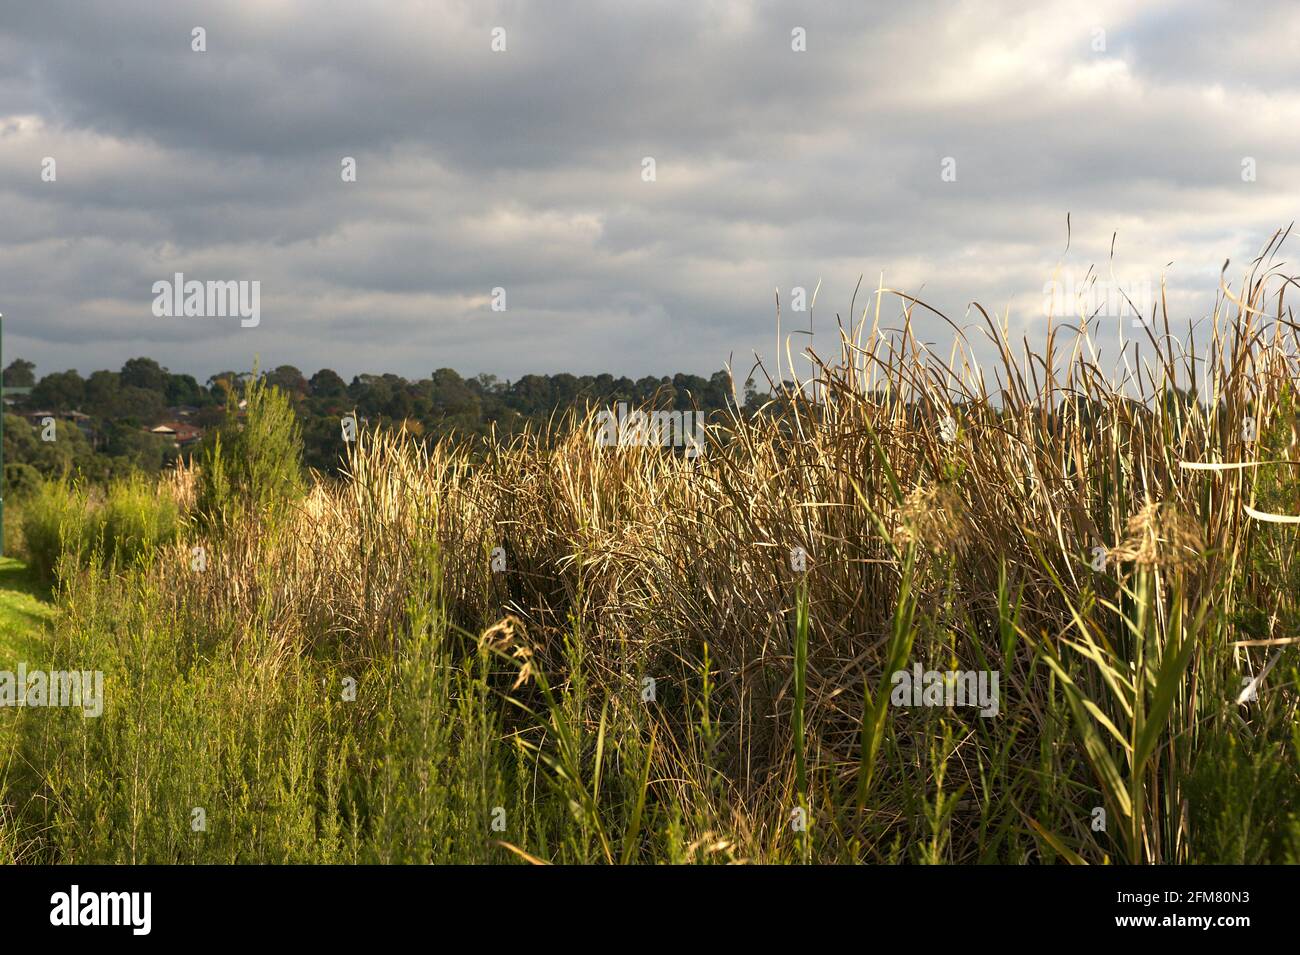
<point>647,674</point>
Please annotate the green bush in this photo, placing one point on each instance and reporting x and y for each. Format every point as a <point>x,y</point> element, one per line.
<point>70,520</point>
<point>54,517</point>
<point>254,461</point>
<point>135,518</point>
<point>21,481</point>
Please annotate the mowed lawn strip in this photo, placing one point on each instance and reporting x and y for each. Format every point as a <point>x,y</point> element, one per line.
<point>24,612</point>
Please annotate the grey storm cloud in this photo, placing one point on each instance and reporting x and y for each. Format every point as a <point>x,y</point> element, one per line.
<point>523,169</point>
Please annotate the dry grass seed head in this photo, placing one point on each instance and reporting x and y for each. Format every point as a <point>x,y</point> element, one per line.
<point>1160,535</point>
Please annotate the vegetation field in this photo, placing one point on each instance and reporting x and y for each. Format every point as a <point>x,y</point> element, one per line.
<point>548,649</point>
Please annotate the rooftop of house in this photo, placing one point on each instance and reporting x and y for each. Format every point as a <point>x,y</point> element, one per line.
<point>65,415</point>
<point>180,430</point>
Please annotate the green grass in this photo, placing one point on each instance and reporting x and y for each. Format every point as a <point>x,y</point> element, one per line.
<point>24,611</point>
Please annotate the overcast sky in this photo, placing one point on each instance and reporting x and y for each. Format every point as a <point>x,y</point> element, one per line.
<point>1175,125</point>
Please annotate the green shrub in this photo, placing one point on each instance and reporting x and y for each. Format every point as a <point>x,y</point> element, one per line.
<point>21,481</point>
<point>55,519</point>
<point>254,461</point>
<point>70,520</point>
<point>135,518</point>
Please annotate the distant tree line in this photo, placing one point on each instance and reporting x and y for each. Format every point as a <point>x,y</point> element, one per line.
<point>122,406</point>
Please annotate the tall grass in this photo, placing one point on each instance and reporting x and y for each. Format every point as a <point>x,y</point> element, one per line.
<point>76,523</point>
<point>651,677</point>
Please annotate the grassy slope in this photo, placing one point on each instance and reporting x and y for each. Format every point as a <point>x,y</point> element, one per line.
<point>24,611</point>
